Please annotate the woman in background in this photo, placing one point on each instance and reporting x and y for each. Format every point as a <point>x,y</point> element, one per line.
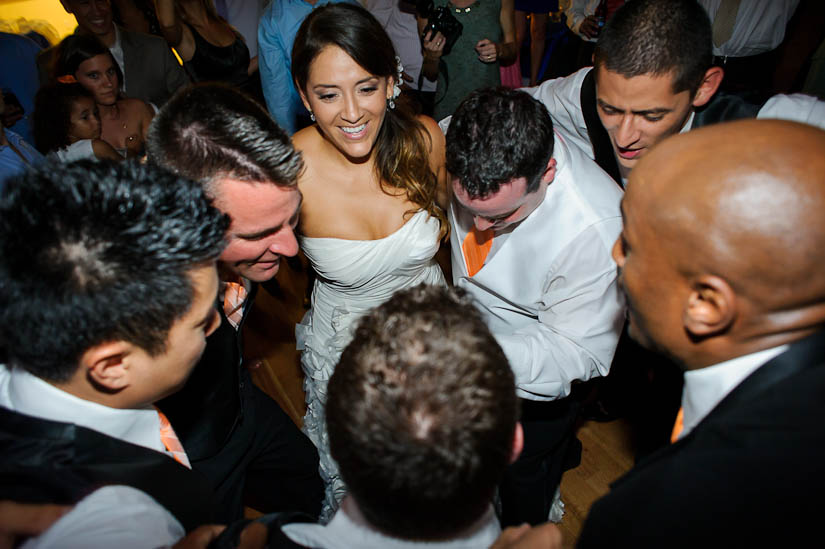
<point>210,48</point>
<point>66,123</point>
<point>369,221</point>
<point>487,40</point>
<point>124,121</point>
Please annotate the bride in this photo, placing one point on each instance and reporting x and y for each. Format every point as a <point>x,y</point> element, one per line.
<point>369,224</point>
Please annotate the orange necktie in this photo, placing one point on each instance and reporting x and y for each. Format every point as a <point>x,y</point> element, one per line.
<point>234,295</point>
<point>171,442</point>
<point>678,426</point>
<point>476,246</point>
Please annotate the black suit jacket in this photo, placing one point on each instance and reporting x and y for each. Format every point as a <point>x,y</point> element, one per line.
<point>52,462</point>
<point>751,473</point>
<point>210,406</point>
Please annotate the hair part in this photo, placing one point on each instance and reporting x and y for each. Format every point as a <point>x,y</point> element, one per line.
<point>211,131</point>
<point>497,135</point>
<point>402,148</point>
<point>658,37</point>
<point>92,252</point>
<point>51,120</point>
<point>421,414</point>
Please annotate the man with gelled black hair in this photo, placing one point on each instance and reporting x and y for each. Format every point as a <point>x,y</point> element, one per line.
<point>107,289</point>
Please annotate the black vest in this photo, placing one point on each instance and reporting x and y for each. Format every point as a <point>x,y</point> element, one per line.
<point>205,412</point>
<point>721,108</point>
<point>45,461</point>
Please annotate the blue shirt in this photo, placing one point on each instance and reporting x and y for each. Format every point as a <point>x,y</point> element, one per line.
<point>18,74</point>
<point>276,34</point>
<point>10,162</point>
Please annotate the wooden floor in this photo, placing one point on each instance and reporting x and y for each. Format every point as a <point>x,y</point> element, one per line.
<point>269,342</point>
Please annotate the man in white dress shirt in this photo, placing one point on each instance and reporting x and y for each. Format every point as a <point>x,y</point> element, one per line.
<point>652,77</point>
<point>423,421</point>
<point>533,220</point>
<point>107,286</point>
<point>721,261</point>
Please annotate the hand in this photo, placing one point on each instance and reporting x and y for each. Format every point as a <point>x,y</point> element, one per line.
<point>21,520</point>
<point>433,45</point>
<point>590,27</point>
<point>487,51</point>
<point>543,536</point>
<point>200,537</point>
<point>404,79</point>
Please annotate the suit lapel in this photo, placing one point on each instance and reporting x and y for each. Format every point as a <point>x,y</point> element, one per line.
<point>805,354</point>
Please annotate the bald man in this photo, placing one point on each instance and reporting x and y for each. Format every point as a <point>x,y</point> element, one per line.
<point>721,259</point>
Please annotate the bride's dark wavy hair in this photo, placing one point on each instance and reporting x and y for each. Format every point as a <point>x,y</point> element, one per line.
<point>403,144</point>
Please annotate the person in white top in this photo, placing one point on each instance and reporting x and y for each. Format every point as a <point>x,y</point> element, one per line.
<point>652,77</point>
<point>423,420</point>
<point>107,283</point>
<point>548,217</point>
<point>720,259</point>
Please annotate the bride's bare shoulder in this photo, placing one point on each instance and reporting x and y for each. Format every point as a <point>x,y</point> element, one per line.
<point>306,139</point>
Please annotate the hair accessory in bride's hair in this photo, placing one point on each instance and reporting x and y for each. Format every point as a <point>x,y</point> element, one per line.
<point>67,79</point>
<point>396,87</point>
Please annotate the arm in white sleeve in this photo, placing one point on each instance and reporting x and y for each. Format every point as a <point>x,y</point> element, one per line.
<point>797,107</point>
<point>562,98</point>
<point>579,321</point>
<point>575,12</point>
<point>112,516</point>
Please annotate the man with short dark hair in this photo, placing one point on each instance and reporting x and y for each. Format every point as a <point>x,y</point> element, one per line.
<point>720,259</point>
<point>150,70</point>
<point>652,77</point>
<point>533,220</point>
<point>234,433</point>
<point>107,286</point>
<point>422,418</point>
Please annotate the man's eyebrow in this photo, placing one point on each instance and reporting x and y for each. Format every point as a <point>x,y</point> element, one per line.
<point>659,110</point>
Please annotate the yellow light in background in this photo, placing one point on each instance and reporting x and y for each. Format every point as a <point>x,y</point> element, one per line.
<point>33,11</point>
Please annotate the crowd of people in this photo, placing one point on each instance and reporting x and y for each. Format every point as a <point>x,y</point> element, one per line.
<point>625,223</point>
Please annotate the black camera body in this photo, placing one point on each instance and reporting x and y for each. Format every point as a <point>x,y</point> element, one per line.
<point>439,20</point>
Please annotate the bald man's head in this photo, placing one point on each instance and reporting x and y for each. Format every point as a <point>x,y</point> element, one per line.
<point>724,240</point>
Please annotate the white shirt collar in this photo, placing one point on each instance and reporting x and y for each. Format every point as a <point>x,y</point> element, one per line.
<point>26,394</point>
<point>342,531</point>
<point>117,53</point>
<point>706,387</point>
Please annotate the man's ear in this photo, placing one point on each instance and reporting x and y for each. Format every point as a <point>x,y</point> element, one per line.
<point>518,443</point>
<point>66,6</point>
<point>107,364</point>
<point>549,171</point>
<point>710,83</point>
<point>710,308</point>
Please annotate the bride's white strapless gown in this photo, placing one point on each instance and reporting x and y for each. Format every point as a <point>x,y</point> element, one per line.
<point>353,277</point>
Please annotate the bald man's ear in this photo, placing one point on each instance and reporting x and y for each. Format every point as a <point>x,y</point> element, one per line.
<point>710,83</point>
<point>107,365</point>
<point>518,443</point>
<point>711,307</point>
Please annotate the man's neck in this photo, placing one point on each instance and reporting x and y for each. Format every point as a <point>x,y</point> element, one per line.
<point>107,39</point>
